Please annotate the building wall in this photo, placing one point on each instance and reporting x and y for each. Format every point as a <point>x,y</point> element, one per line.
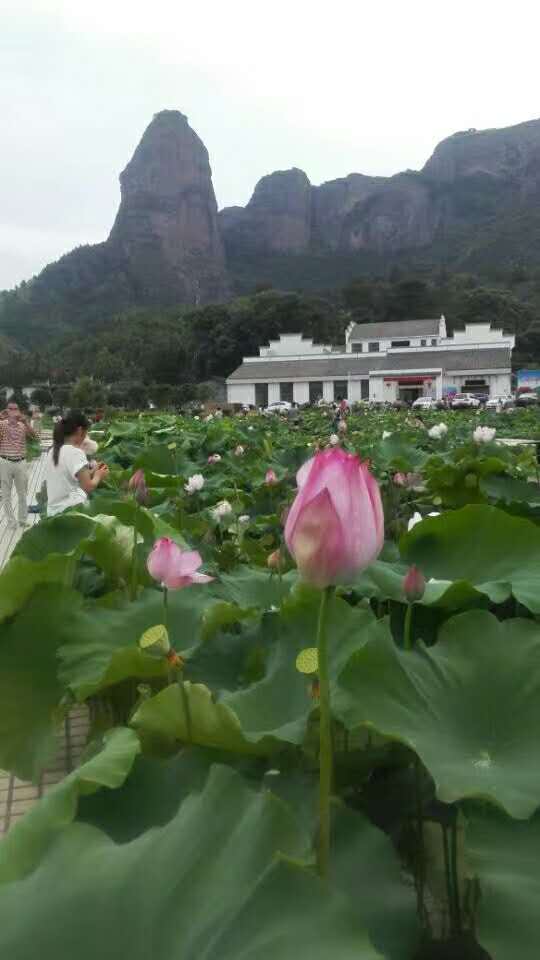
<point>499,384</point>
<point>241,393</point>
<point>301,392</point>
<point>293,345</point>
<point>273,392</point>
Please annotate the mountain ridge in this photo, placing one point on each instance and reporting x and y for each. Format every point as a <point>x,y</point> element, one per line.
<point>474,205</point>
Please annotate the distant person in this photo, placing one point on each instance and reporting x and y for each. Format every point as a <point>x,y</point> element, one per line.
<point>343,407</point>
<point>14,431</point>
<point>68,477</point>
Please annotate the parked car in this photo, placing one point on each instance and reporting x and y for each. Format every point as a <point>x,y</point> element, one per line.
<point>527,399</point>
<point>425,403</point>
<point>465,401</point>
<point>495,402</point>
<point>279,406</point>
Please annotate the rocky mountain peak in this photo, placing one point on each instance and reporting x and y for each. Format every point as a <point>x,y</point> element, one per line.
<point>166,226</point>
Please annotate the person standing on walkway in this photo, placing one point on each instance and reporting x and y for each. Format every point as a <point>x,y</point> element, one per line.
<point>14,431</point>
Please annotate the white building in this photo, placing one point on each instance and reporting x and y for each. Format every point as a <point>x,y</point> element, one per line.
<point>380,361</point>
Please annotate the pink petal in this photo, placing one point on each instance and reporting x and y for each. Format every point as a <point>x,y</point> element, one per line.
<point>162,558</point>
<point>188,562</point>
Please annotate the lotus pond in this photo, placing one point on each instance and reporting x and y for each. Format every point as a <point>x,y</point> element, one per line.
<point>193,827</point>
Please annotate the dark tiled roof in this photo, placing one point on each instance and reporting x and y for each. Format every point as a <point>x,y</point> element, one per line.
<point>491,358</point>
<point>326,368</point>
<point>334,368</point>
<point>401,329</point>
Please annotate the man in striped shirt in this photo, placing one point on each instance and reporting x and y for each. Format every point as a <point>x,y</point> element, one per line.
<point>14,429</point>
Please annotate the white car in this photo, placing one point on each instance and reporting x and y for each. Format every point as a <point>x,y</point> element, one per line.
<point>279,406</point>
<point>495,402</point>
<point>463,401</point>
<point>424,403</point>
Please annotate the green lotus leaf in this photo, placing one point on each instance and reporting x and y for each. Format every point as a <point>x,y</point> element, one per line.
<point>21,576</point>
<point>30,690</point>
<point>503,855</point>
<point>99,647</point>
<point>216,882</point>
<point>469,706</point>
<point>26,842</point>
<point>497,553</point>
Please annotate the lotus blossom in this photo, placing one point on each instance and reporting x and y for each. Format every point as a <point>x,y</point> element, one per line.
<point>270,477</point>
<point>173,567</point>
<point>438,431</point>
<point>214,458</point>
<point>194,483</point>
<point>137,486</point>
<point>386,434</point>
<point>222,509</point>
<point>335,527</point>
<point>239,451</point>
<point>244,518</point>
<point>334,440</point>
<point>417,518</point>
<point>484,434</point>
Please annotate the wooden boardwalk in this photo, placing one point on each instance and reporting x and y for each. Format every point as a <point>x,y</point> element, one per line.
<point>16,796</point>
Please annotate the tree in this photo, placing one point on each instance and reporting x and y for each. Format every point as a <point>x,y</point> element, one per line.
<point>87,393</point>
<point>41,396</point>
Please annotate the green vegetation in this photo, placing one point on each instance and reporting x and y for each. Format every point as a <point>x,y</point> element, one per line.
<point>189,828</point>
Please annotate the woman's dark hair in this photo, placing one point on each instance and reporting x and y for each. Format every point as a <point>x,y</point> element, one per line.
<point>65,427</point>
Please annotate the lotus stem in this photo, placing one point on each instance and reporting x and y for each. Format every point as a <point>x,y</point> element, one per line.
<point>325,740</point>
<point>407,628</point>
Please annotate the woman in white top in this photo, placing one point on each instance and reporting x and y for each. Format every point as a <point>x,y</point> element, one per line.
<point>68,476</point>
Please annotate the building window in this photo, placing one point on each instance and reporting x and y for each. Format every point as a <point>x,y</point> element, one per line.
<point>261,394</point>
<point>315,391</point>
<point>356,347</point>
<point>400,343</point>
<point>341,391</point>
<point>373,347</point>
<point>423,343</point>
<point>364,388</point>
<point>433,341</point>
<point>286,392</point>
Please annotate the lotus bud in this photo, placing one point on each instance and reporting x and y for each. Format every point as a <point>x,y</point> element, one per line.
<point>274,560</point>
<point>270,478</point>
<point>414,585</point>
<point>335,527</point>
<point>137,486</point>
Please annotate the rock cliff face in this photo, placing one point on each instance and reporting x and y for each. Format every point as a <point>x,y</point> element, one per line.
<point>471,178</point>
<point>277,219</point>
<point>166,227</point>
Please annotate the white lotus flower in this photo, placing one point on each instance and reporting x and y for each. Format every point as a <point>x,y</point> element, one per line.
<point>484,434</point>
<point>250,428</point>
<point>195,483</point>
<point>334,440</point>
<point>208,418</point>
<point>196,418</point>
<point>239,451</point>
<point>244,518</point>
<point>214,458</point>
<point>386,434</point>
<point>438,431</point>
<point>222,509</point>
<point>417,518</point>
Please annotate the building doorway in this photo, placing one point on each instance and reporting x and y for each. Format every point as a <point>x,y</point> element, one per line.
<point>410,394</point>
<point>261,394</point>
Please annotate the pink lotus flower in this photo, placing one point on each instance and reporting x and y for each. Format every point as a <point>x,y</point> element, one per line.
<point>137,486</point>
<point>270,477</point>
<point>335,526</point>
<point>173,567</point>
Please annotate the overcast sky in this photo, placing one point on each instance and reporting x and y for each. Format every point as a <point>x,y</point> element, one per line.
<point>330,87</point>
